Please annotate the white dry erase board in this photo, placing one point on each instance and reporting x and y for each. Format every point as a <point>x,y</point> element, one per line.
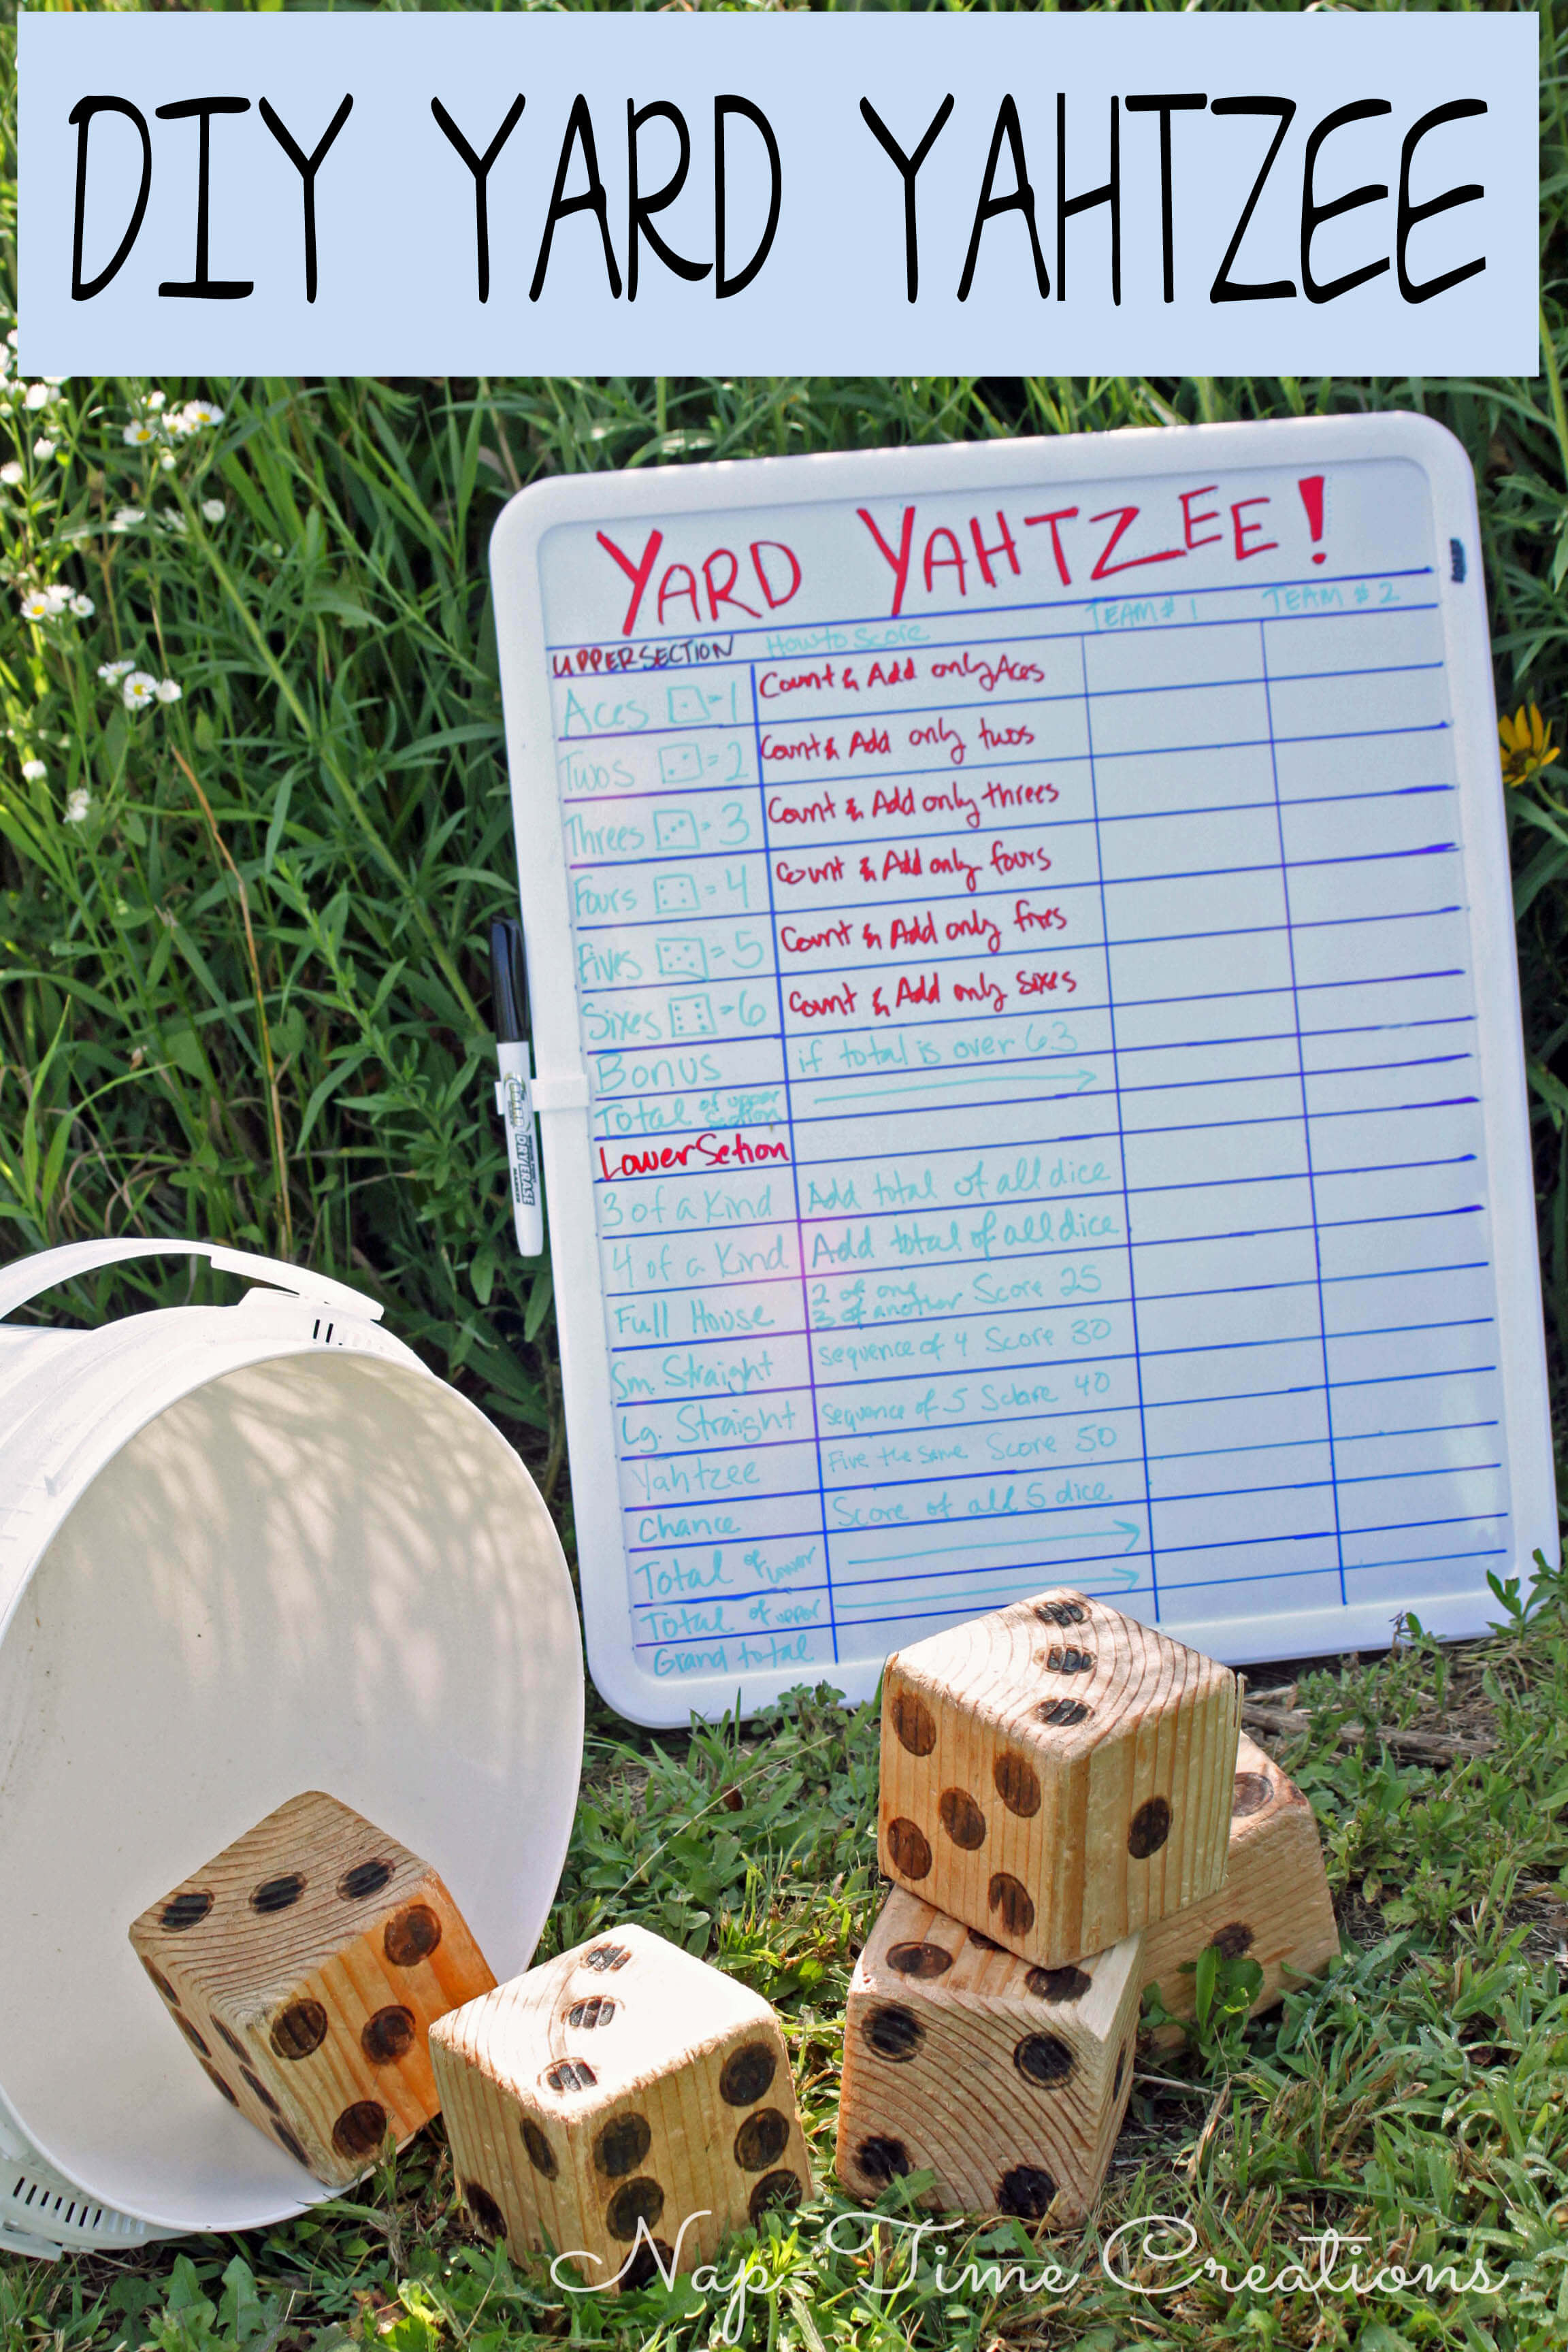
<point>1024,980</point>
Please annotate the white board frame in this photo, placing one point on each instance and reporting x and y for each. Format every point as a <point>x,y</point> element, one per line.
<point>994,468</point>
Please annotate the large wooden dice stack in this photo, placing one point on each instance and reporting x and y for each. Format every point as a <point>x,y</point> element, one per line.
<point>1060,1806</point>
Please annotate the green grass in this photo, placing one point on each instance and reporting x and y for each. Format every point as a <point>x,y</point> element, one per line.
<point>243,998</point>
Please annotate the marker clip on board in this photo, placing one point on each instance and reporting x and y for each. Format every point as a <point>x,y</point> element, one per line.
<point>514,1092</point>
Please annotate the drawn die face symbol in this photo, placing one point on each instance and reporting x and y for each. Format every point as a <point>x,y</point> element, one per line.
<point>1151,1826</point>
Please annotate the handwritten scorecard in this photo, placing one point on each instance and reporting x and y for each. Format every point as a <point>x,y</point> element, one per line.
<point>1023,987</point>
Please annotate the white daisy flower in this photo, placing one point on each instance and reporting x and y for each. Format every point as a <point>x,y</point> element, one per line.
<point>201,412</point>
<point>11,339</point>
<point>167,461</point>
<point>83,607</point>
<point>213,510</point>
<point>114,671</point>
<point>167,691</point>
<point>38,395</point>
<point>126,518</point>
<point>44,449</point>
<point>138,433</point>
<point>172,518</point>
<point>11,471</point>
<point>34,771</point>
<point>59,597</point>
<point>154,401</point>
<point>78,805</point>
<point>35,605</point>
<point>139,689</point>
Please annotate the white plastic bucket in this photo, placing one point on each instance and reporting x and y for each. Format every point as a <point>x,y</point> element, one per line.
<point>244,1551</point>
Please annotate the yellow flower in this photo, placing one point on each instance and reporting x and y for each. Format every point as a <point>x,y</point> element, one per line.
<point>1527,745</point>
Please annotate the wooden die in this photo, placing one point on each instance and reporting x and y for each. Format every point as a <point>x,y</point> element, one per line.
<point>1006,2080</point>
<point>304,1966</point>
<point>1057,1775</point>
<point>622,2103</point>
<point>1274,1907</point>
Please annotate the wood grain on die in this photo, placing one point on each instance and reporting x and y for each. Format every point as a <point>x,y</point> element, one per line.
<point>1006,2079</point>
<point>304,1966</point>
<point>1274,1907</point>
<point>1056,1774</point>
<point>623,2083</point>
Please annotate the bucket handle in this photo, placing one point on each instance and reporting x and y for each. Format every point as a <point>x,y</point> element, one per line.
<point>31,1276</point>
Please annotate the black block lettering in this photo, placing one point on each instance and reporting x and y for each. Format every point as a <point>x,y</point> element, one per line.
<point>81,115</point>
<point>1111,193</point>
<point>1411,216</point>
<point>1313,214</point>
<point>1273,289</point>
<point>307,166</point>
<point>724,286</point>
<point>1165,105</point>
<point>479,165</point>
<point>579,130</point>
<point>1022,199</point>
<point>203,287</point>
<point>907,167</point>
<point>640,208</point>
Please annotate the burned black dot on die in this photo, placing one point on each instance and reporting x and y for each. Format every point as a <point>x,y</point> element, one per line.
<point>299,2030</point>
<point>1027,2191</point>
<point>910,1848</point>
<point>411,1936</point>
<point>1013,1903</point>
<point>653,2259</point>
<point>541,2154</point>
<point>1044,2058</point>
<point>182,1911</point>
<point>360,2129</point>
<point>571,2074</point>
<point>984,1943</point>
<point>962,1818</point>
<point>622,2145</point>
<point>761,2139</point>
<point>230,2040</point>
<point>286,2140</point>
<point>258,2090</point>
<point>1250,1793</point>
<point>597,2010</point>
<point>914,1724</point>
<point>1150,1827</point>
<point>1061,1713</point>
<point>388,2035</point>
<point>881,2159</point>
<point>922,1961</point>
<point>1058,1984</point>
<point>364,1878</point>
<point>1060,1612</point>
<point>1066,1660</point>
<point>894,2031</point>
<point>161,1981</point>
<point>775,2192</point>
<point>278,1893</point>
<point>1017,1784</point>
<point>1120,2074</point>
<point>1232,1941</point>
<point>634,2201</point>
<point>191,2036</point>
<point>747,2072</point>
<point>215,2079</point>
<point>484,2209</point>
<point>604,1957</point>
